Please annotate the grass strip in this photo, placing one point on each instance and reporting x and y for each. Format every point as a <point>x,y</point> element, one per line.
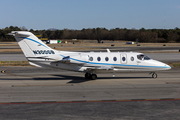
<point>177,64</point>
<point>14,63</point>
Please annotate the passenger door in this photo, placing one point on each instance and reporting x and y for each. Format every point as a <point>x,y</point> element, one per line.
<point>123,58</point>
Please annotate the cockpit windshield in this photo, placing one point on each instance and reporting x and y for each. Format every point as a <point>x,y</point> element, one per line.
<point>146,57</point>
<point>143,57</point>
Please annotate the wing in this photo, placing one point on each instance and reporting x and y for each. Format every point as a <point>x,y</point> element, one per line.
<point>100,68</point>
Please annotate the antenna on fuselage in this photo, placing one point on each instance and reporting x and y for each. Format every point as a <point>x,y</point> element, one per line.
<point>108,50</point>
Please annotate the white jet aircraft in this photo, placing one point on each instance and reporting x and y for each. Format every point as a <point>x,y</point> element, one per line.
<point>91,63</point>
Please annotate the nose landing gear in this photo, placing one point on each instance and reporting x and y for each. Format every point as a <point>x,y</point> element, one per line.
<point>154,75</point>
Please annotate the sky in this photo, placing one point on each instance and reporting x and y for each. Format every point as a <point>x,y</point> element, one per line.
<point>79,14</point>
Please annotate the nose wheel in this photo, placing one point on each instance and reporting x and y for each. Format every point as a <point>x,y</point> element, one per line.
<point>90,76</point>
<point>154,75</point>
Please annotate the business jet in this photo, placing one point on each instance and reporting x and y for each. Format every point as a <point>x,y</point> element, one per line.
<point>40,55</point>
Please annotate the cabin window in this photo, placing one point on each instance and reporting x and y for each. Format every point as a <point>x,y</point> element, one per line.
<point>91,59</point>
<point>132,58</point>
<point>106,58</point>
<point>99,59</point>
<point>123,59</point>
<point>115,58</point>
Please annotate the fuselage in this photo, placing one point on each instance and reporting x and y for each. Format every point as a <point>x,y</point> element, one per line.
<point>104,61</point>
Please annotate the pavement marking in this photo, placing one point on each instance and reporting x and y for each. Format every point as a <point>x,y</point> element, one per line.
<point>3,71</point>
<point>93,101</point>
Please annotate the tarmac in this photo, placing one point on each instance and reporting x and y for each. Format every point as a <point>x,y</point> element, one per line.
<point>57,94</point>
<point>34,93</point>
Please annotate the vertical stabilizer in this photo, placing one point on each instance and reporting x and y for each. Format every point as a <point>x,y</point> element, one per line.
<point>30,44</point>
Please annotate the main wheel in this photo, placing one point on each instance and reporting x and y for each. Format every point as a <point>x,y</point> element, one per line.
<point>88,76</point>
<point>154,75</point>
<point>93,76</point>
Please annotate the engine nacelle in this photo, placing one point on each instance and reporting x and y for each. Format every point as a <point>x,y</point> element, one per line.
<point>76,59</point>
<point>79,59</point>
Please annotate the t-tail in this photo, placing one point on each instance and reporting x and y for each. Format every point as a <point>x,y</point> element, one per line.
<point>33,48</point>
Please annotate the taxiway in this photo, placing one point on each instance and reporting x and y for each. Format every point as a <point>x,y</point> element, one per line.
<point>57,94</point>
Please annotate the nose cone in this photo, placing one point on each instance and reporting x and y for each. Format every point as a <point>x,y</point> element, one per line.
<point>167,67</point>
<point>161,65</point>
<point>164,66</point>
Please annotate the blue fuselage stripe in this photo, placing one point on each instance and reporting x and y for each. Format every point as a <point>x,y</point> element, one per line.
<point>34,41</point>
<point>117,64</point>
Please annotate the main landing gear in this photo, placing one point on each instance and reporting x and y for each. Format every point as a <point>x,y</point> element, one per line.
<point>154,75</point>
<point>90,76</point>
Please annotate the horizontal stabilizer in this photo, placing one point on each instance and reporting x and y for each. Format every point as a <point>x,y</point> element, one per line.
<point>19,33</point>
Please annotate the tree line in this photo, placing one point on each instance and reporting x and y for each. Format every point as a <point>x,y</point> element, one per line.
<point>142,35</point>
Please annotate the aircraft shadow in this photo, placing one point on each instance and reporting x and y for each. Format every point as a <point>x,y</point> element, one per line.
<point>76,79</point>
<point>64,77</point>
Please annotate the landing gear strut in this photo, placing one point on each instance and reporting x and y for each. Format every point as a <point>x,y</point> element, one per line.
<point>90,76</point>
<point>154,75</point>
